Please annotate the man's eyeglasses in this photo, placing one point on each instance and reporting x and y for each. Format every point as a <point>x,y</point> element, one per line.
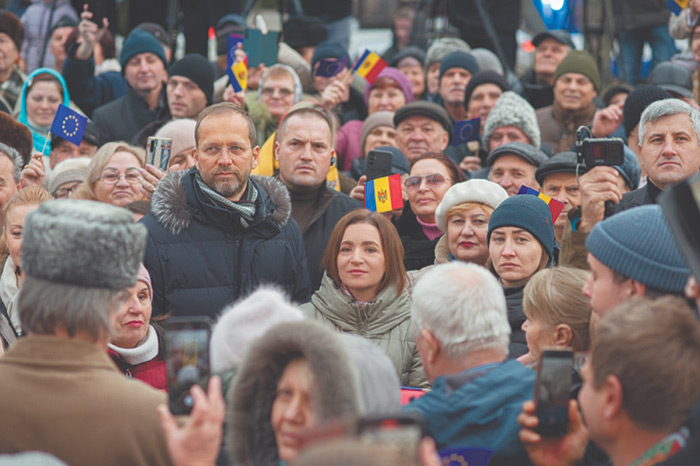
<point>111,176</point>
<point>434,180</point>
<point>236,151</point>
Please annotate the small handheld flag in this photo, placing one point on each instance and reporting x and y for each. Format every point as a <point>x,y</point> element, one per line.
<point>369,65</point>
<point>555,207</point>
<point>677,6</point>
<point>465,456</point>
<point>384,194</point>
<point>329,68</point>
<point>69,125</point>
<point>238,76</point>
<point>465,131</point>
<point>232,42</point>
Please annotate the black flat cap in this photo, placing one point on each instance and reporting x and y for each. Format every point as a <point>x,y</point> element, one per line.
<point>426,109</point>
<point>531,154</point>
<point>563,162</point>
<point>561,36</point>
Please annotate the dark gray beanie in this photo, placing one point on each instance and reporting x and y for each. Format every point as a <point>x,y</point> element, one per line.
<point>83,243</point>
<point>531,154</point>
<point>529,213</point>
<point>638,244</point>
<point>464,60</point>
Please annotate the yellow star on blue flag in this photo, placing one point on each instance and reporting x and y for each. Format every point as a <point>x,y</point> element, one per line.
<point>68,124</point>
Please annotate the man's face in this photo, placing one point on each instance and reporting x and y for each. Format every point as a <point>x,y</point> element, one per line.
<point>511,172</point>
<point>304,152</point>
<point>604,292</point>
<point>670,150</point>
<point>505,134</point>
<point>402,30</point>
<point>8,187</point>
<point>452,85</point>
<point>57,45</point>
<point>592,403</point>
<point>185,98</point>
<point>548,55</point>
<point>433,78</point>
<point>574,91</point>
<point>68,150</point>
<point>9,55</point>
<point>482,101</point>
<point>378,137</point>
<point>227,171</point>
<point>417,135</point>
<point>278,95</point>
<point>564,188</point>
<point>145,73</point>
<point>416,75</point>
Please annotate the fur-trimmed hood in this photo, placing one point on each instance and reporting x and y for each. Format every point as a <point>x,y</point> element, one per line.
<point>251,440</point>
<point>172,208</point>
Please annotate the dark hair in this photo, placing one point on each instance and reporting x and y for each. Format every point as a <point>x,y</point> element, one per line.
<point>455,172</point>
<point>394,273</point>
<point>45,77</point>
<point>223,108</point>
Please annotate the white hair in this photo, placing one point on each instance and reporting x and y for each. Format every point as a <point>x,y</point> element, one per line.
<point>463,306</point>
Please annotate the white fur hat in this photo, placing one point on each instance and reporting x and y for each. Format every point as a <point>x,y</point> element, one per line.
<point>476,190</point>
<point>244,321</point>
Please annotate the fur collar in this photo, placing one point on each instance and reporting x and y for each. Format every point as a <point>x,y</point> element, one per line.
<point>170,208</point>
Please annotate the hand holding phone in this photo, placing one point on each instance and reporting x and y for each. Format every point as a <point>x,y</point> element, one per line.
<point>552,391</point>
<point>158,152</point>
<point>378,164</point>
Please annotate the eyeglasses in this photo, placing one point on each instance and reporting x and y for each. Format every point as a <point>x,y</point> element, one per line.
<point>111,176</point>
<point>62,193</point>
<point>433,181</point>
<point>284,93</point>
<point>213,151</point>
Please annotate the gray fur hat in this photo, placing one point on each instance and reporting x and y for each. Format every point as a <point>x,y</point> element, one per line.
<point>512,110</point>
<point>83,243</point>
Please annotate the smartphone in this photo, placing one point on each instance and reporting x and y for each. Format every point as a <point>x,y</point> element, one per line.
<point>378,164</point>
<point>187,359</point>
<point>402,433</point>
<point>553,390</point>
<point>158,152</point>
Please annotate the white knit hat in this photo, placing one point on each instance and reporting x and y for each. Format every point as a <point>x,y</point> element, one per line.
<point>476,190</point>
<point>181,132</point>
<point>244,321</point>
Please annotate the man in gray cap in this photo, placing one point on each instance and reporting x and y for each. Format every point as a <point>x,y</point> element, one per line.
<point>62,393</point>
<point>557,177</point>
<point>421,127</point>
<point>550,49</point>
<point>514,164</point>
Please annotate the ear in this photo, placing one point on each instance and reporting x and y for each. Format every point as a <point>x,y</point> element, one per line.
<point>277,150</point>
<point>256,157</point>
<point>196,158</point>
<point>445,139</point>
<point>613,397</point>
<point>432,345</point>
<point>563,335</point>
<point>637,289</point>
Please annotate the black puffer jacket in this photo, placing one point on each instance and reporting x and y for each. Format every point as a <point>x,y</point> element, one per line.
<point>516,318</point>
<point>200,257</point>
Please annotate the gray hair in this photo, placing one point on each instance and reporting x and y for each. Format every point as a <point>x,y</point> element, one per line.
<point>275,70</point>
<point>45,307</point>
<point>464,307</point>
<point>668,107</point>
<point>15,158</point>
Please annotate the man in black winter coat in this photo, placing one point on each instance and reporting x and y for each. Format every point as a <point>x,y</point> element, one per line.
<point>214,232</point>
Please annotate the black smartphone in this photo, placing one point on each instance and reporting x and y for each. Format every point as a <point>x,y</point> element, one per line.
<point>187,359</point>
<point>378,164</point>
<point>158,151</point>
<point>402,433</point>
<point>552,391</point>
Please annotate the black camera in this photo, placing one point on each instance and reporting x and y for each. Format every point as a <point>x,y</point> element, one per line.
<point>600,151</point>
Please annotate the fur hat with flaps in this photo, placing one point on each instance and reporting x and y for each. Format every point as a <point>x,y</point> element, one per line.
<point>83,243</point>
<point>251,439</point>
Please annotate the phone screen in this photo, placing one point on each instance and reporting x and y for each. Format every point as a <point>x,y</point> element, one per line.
<point>187,350</point>
<point>552,391</point>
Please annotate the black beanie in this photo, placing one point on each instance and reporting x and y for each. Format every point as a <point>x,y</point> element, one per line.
<point>63,22</point>
<point>13,27</point>
<point>328,50</point>
<point>459,59</point>
<point>484,77</point>
<point>304,31</point>
<point>197,68</point>
<point>638,100</point>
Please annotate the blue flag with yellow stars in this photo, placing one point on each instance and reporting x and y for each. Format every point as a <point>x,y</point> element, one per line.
<point>465,131</point>
<point>68,124</point>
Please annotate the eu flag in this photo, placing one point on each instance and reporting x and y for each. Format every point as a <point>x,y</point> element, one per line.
<point>328,68</point>
<point>69,125</point>
<point>465,131</point>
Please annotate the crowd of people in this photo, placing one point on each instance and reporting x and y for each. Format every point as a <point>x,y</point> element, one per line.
<point>325,313</point>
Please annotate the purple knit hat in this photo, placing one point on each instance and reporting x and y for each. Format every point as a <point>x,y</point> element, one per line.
<point>400,79</point>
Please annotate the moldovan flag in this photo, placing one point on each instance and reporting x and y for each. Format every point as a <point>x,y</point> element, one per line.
<point>238,76</point>
<point>384,194</point>
<point>369,65</point>
<point>555,207</point>
<point>676,6</point>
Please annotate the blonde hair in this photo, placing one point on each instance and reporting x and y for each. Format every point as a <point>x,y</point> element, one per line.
<point>100,160</point>
<point>31,195</point>
<point>465,206</point>
<point>553,296</point>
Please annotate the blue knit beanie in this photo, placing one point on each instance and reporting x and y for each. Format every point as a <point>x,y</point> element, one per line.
<point>139,41</point>
<point>637,243</point>
<point>630,170</point>
<point>328,50</point>
<point>529,213</point>
<point>459,59</point>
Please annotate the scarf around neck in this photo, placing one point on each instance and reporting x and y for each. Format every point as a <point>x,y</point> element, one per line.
<point>245,207</point>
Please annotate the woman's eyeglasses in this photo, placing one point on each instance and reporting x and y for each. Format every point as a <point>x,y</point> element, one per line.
<point>433,181</point>
<point>131,176</point>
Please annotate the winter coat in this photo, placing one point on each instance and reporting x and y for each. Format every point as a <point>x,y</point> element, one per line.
<point>252,440</point>
<point>386,322</point>
<point>516,318</point>
<point>419,251</point>
<point>11,89</point>
<point>201,258</point>
<point>349,145</point>
<point>537,94</point>
<point>636,14</point>
<point>66,398</point>
<point>135,362</point>
<point>481,412</point>
<point>442,256</point>
<point>641,196</point>
<point>123,118</point>
<point>36,27</point>
<point>556,134</point>
<point>87,90</point>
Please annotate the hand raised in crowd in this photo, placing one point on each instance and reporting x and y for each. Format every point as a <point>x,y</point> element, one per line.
<point>338,91</point>
<point>607,120</point>
<point>358,192</point>
<point>237,98</point>
<point>150,177</point>
<point>89,33</point>
<point>470,163</point>
<point>34,174</point>
<point>597,185</point>
<point>197,442</point>
<point>553,451</point>
<point>254,75</point>
<point>694,6</point>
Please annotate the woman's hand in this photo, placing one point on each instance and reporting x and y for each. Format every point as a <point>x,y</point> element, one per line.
<point>470,163</point>
<point>237,98</point>
<point>34,174</point>
<point>338,91</point>
<point>150,177</point>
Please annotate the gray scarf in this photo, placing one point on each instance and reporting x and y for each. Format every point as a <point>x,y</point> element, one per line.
<point>245,207</point>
